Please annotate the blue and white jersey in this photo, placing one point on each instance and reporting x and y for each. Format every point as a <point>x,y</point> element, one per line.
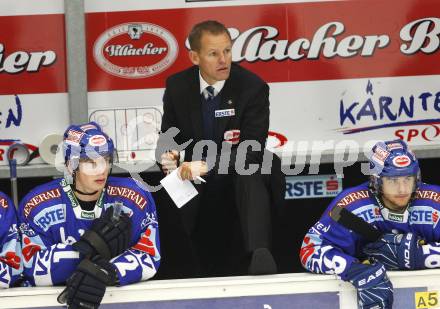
<point>51,220</point>
<point>329,247</point>
<point>11,264</point>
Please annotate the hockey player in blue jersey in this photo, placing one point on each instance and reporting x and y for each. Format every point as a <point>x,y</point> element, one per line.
<point>88,230</point>
<point>400,207</point>
<point>10,254</point>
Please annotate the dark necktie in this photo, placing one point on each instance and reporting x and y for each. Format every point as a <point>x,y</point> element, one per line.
<point>210,93</point>
<point>208,113</point>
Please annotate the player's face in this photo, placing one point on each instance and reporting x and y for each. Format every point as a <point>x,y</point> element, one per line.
<point>92,174</point>
<point>214,57</point>
<point>396,191</point>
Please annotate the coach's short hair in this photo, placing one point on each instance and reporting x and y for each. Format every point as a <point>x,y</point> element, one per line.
<point>210,26</point>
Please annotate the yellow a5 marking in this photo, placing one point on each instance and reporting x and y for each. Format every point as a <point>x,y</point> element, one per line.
<point>428,299</point>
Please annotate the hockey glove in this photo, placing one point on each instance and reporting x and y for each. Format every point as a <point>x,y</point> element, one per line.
<point>397,251</point>
<point>86,287</point>
<point>108,236</point>
<point>374,289</point>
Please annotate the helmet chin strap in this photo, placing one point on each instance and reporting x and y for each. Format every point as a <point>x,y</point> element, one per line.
<point>84,193</point>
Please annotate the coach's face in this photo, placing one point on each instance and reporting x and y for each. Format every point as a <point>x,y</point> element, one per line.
<point>214,57</point>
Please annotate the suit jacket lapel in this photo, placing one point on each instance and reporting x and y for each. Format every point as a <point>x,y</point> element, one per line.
<point>195,107</point>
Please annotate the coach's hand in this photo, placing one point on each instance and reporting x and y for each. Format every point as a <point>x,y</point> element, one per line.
<point>190,170</point>
<point>169,161</point>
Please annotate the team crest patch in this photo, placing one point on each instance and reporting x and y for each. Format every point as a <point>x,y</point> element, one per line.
<point>380,155</point>
<point>74,137</point>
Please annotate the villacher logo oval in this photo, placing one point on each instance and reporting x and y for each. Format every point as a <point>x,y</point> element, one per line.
<point>401,161</point>
<point>135,50</point>
<point>97,140</point>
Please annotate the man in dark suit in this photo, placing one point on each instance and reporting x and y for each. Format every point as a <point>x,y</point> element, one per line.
<point>222,110</point>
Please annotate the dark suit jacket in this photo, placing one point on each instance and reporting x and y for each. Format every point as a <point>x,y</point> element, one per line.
<point>243,90</point>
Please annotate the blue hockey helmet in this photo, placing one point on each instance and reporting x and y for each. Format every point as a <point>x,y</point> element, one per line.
<point>392,159</point>
<point>86,141</point>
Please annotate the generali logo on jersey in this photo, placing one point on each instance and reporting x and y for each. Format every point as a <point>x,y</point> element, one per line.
<point>135,50</point>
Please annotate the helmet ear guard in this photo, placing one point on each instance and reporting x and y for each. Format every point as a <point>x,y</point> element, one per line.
<point>375,184</point>
<point>70,169</point>
<point>392,159</point>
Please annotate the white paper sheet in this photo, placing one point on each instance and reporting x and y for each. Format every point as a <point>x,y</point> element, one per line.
<point>180,191</point>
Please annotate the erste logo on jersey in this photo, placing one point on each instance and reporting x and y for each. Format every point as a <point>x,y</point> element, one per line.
<point>40,198</point>
<point>369,213</point>
<point>135,50</point>
<point>50,216</point>
<point>401,161</point>
<point>424,215</point>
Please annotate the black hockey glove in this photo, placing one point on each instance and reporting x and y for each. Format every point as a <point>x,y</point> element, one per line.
<point>86,287</point>
<point>108,236</point>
